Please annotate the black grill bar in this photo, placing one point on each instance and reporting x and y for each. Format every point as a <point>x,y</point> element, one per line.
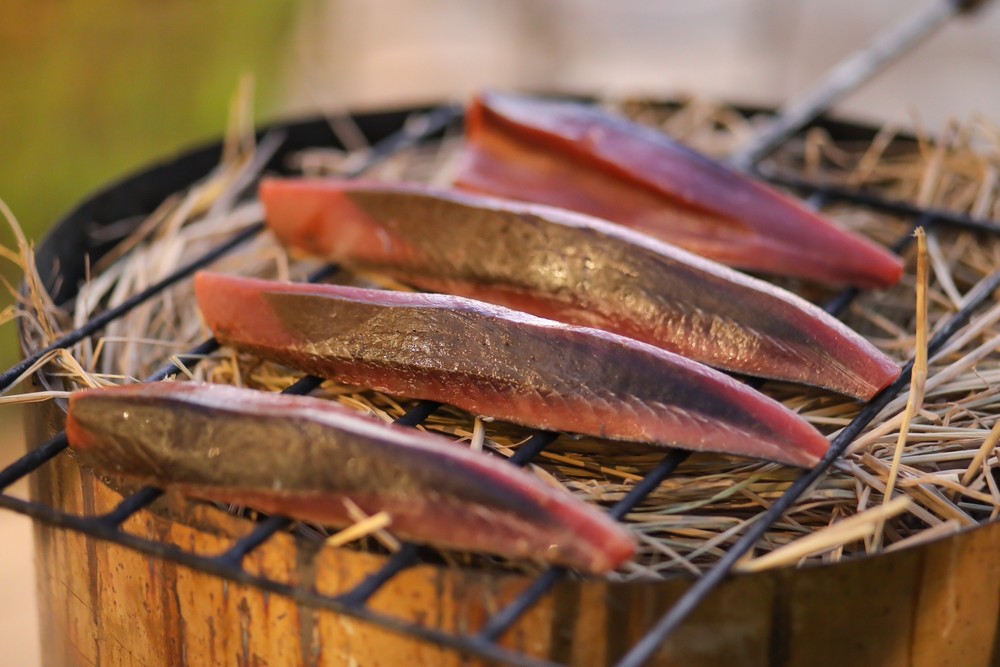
<point>32,460</point>
<point>418,414</point>
<point>533,447</point>
<point>262,533</point>
<point>399,561</point>
<point>649,483</point>
<point>500,622</point>
<point>651,641</point>
<point>840,302</point>
<point>303,386</point>
<point>415,130</point>
<point>900,207</point>
<point>129,506</point>
<point>194,355</point>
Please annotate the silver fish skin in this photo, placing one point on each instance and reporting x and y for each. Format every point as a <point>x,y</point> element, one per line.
<point>576,269</point>
<point>303,457</point>
<point>502,363</point>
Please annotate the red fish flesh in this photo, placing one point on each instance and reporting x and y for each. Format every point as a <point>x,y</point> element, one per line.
<point>302,457</point>
<point>577,269</point>
<point>505,364</point>
<point>582,158</point>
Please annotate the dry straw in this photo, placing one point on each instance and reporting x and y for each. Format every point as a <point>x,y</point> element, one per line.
<point>925,468</point>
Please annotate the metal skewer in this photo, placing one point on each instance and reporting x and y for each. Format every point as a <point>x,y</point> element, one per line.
<point>849,74</point>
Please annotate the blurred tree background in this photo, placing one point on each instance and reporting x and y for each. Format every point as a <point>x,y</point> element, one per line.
<point>91,91</point>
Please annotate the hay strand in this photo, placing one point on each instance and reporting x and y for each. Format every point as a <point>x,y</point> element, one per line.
<point>918,379</point>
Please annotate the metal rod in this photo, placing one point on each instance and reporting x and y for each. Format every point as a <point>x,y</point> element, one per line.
<point>407,555</point>
<point>264,531</point>
<point>32,460</point>
<point>195,355</point>
<point>669,622</point>
<point>416,129</point>
<point>845,77</point>
<point>500,622</point>
<point>419,413</point>
<point>533,447</point>
<point>129,506</point>
<point>898,206</point>
<point>303,386</point>
<point>404,558</point>
<point>653,479</point>
<point>840,302</point>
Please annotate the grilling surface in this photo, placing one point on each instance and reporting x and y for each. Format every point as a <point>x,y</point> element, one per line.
<point>274,380</point>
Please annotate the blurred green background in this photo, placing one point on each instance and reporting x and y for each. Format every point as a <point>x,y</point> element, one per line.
<point>91,91</point>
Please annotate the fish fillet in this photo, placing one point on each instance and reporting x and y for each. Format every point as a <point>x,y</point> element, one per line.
<point>302,457</point>
<point>582,158</point>
<point>576,269</point>
<point>505,364</point>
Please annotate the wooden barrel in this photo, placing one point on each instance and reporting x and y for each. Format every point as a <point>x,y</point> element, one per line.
<point>103,604</point>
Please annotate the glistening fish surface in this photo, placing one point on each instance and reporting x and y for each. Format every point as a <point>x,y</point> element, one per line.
<point>501,363</point>
<point>576,269</point>
<point>585,159</point>
<point>302,457</point>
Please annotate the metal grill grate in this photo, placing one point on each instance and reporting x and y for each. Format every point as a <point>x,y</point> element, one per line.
<point>354,602</point>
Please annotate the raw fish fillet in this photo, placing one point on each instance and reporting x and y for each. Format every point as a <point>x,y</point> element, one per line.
<point>576,269</point>
<point>301,457</point>
<point>505,364</point>
<point>582,158</point>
